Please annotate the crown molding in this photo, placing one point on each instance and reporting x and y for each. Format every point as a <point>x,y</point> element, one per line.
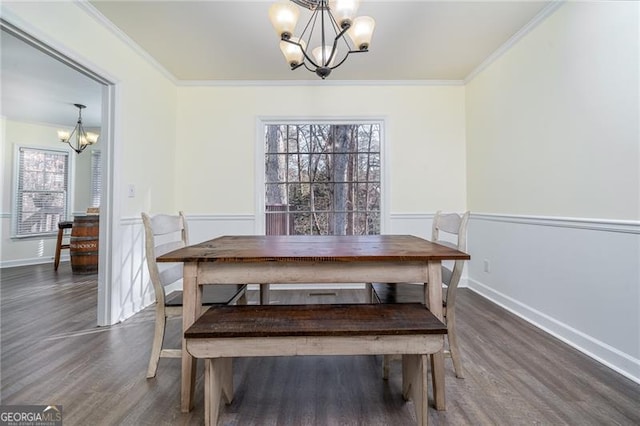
<point>504,48</point>
<point>254,83</point>
<point>95,14</point>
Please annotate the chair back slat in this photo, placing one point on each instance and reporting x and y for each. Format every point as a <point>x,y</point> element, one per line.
<point>162,224</point>
<point>453,224</point>
<point>164,233</point>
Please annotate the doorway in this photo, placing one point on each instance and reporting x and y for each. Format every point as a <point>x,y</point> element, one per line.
<point>46,96</point>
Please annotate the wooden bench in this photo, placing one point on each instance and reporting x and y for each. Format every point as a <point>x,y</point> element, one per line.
<point>225,332</point>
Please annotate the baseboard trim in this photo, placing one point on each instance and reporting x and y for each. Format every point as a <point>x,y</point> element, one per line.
<point>29,262</point>
<point>605,354</point>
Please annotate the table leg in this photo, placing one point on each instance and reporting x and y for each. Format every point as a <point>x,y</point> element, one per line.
<point>433,299</point>
<point>191,308</point>
<point>264,294</point>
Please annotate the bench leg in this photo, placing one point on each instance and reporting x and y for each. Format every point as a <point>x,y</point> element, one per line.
<point>226,365</point>
<point>213,383</point>
<point>437,376</point>
<point>414,385</point>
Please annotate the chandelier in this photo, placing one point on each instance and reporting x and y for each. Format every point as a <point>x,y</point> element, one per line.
<point>82,138</point>
<point>330,22</point>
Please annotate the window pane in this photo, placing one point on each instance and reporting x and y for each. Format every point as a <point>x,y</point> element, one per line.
<point>299,197</point>
<point>368,168</point>
<point>322,194</point>
<point>298,168</point>
<point>331,174</point>
<point>301,223</point>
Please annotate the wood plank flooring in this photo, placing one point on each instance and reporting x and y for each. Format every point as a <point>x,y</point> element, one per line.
<point>51,352</point>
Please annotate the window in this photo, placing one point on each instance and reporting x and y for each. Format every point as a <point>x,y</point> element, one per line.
<point>96,177</point>
<point>42,189</point>
<point>322,179</point>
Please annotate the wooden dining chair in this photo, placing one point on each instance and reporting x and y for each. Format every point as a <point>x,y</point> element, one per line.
<point>165,233</point>
<point>449,229</point>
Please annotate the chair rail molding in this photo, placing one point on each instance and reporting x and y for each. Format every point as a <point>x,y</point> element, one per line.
<point>594,224</point>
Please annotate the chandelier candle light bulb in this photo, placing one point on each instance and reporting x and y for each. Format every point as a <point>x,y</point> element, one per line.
<point>293,52</point>
<point>284,17</point>
<point>330,21</point>
<point>361,31</point>
<point>344,11</point>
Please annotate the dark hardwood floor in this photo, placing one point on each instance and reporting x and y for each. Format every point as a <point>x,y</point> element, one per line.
<point>52,353</point>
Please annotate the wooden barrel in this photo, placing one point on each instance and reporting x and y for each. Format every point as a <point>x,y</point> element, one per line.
<point>83,245</point>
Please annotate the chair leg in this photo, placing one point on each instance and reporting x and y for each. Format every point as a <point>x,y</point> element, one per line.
<point>264,294</point>
<point>369,293</point>
<point>56,261</point>
<point>386,361</point>
<point>454,349</point>
<point>243,299</point>
<point>156,348</point>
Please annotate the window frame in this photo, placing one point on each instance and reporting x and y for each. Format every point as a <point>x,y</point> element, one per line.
<point>70,173</point>
<point>262,122</point>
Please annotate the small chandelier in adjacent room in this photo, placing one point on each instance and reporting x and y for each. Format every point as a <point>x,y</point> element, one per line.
<point>82,139</point>
<point>335,19</point>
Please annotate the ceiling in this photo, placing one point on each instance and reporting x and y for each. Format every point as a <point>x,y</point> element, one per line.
<point>36,87</point>
<point>215,40</point>
<point>234,40</point>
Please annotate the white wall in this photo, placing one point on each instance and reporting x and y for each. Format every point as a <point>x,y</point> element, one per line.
<point>554,179</point>
<point>553,124</point>
<point>424,140</point>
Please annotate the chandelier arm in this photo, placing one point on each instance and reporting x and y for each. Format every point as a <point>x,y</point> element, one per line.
<point>346,56</point>
<point>314,18</point>
<point>307,67</point>
<point>304,52</point>
<point>80,134</point>
<point>334,49</point>
<point>340,32</point>
<point>325,61</point>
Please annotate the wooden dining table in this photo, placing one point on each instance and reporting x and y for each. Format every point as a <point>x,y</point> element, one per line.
<point>271,259</point>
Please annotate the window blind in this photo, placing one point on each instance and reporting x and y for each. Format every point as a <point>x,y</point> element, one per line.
<point>96,177</point>
<point>42,190</point>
